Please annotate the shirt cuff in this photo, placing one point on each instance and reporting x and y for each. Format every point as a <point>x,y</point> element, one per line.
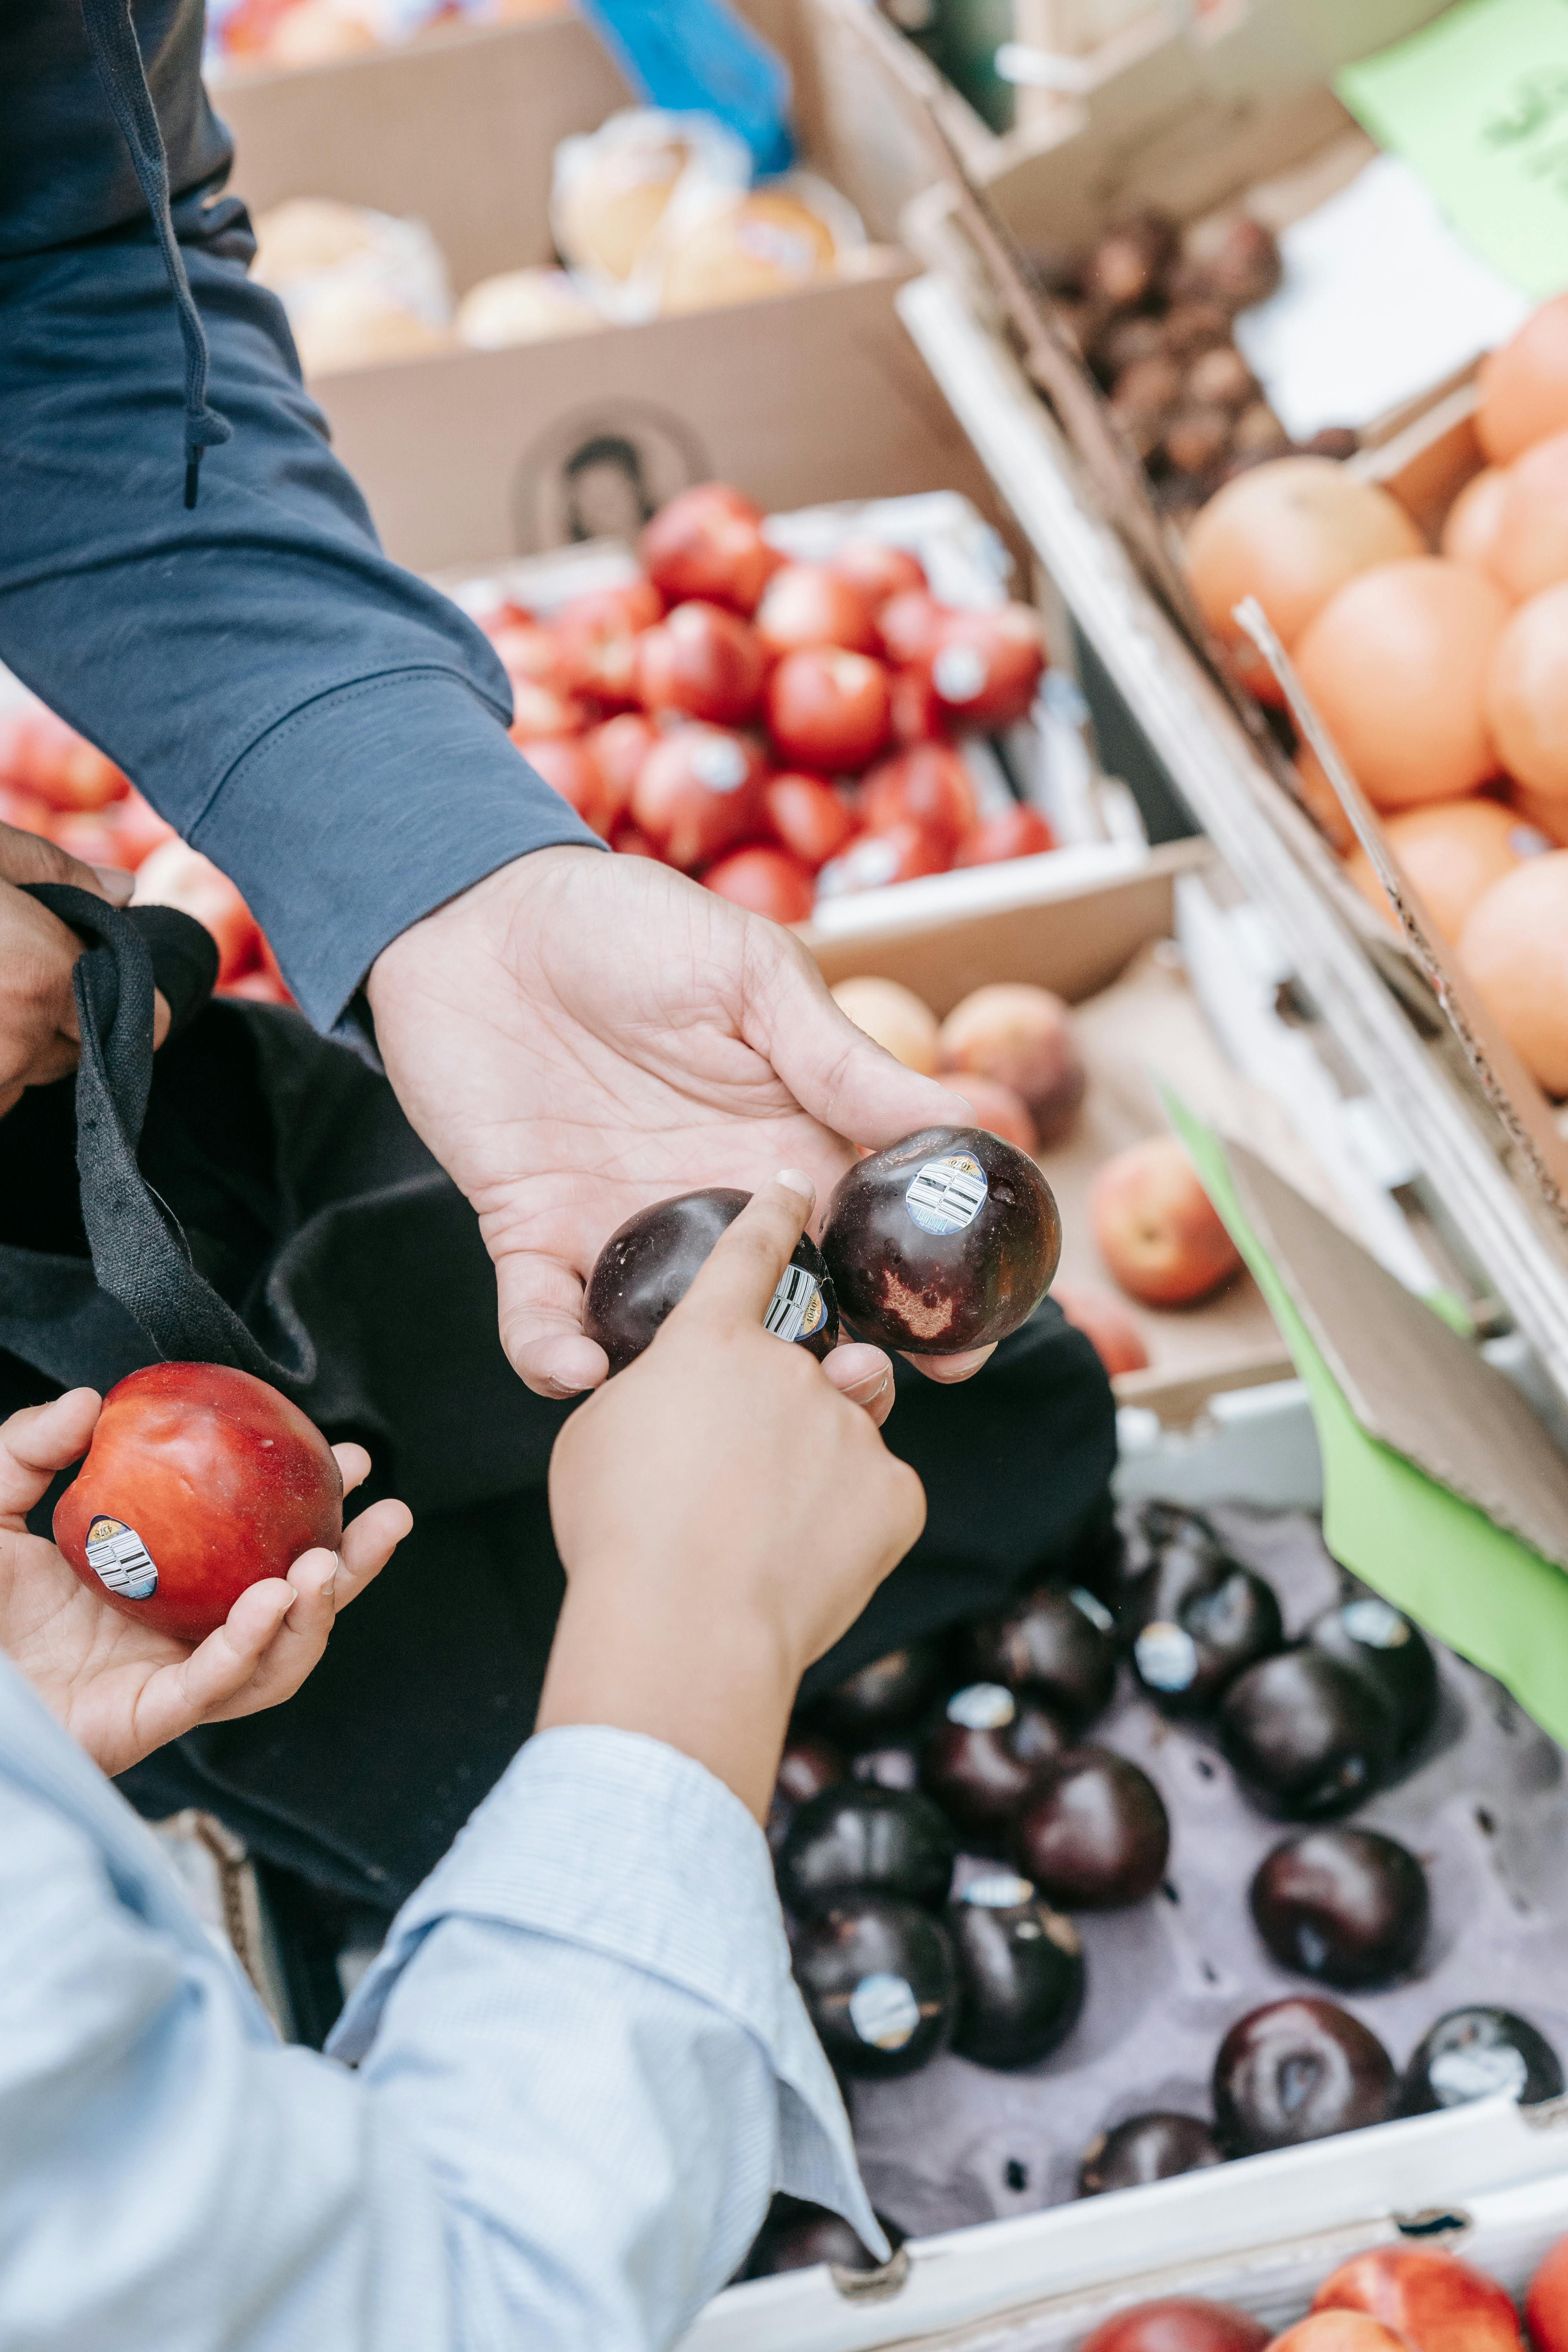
<point>613,1841</point>
<point>365,809</point>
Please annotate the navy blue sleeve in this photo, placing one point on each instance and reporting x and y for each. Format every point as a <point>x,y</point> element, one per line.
<point>326,727</point>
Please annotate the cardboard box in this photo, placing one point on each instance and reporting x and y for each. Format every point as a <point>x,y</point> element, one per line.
<point>470,457</point>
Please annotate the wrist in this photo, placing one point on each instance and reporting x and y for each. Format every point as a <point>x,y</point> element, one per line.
<point>717,1687</point>
<point>495,897</point>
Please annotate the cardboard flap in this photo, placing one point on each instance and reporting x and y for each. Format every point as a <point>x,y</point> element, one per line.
<point>1409,1379</point>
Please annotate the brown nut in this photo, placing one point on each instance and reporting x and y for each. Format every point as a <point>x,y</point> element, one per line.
<point>1332,441</point>
<point>1221,378</point>
<point>1128,263</point>
<point>1128,339</point>
<point>1195,327</point>
<point>1196,439</point>
<point>1229,258</point>
<point>1257,428</point>
<point>1144,397</point>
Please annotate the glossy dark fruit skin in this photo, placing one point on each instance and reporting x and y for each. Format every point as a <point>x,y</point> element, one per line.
<point>797,2236</point>
<point>1222,1625</point>
<point>1053,1647</point>
<point>1392,1655</point>
<point>897,1766</point>
<point>1020,1976</point>
<point>1094,1834</point>
<point>1306,1736</point>
<point>882,1698</point>
<point>871,1937</point>
<point>1180,2323</point>
<point>1473,2052</point>
<point>859,1839</point>
<point>649,1265</point>
<point>1161,1579</point>
<point>980,1771</point>
<point>807,1765</point>
<point>1348,1907</point>
<point>939,1293</point>
<point>1146,2147</point>
<point>1297,2070</point>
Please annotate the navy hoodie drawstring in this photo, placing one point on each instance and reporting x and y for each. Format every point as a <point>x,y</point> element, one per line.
<point>111,36</point>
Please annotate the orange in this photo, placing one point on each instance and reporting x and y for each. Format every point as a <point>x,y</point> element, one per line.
<point>1515,949</point>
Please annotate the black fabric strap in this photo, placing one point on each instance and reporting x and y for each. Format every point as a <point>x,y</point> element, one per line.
<point>139,1252</point>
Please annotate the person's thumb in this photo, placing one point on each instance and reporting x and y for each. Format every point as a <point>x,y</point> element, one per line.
<point>833,1070</point>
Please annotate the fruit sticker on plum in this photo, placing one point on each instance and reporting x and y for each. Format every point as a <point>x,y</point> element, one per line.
<point>1476,2072</point>
<point>982,1707</point>
<point>1375,1624</point>
<point>883,2011</point>
<point>999,1890</point>
<point>945,1195</point>
<point>795,1309</point>
<point>120,1557</point>
<point>1166,1656</point>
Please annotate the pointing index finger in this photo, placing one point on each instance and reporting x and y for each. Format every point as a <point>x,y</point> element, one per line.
<point>746,1264</point>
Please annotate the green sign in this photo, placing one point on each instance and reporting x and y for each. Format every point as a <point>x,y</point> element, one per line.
<point>1477,104</point>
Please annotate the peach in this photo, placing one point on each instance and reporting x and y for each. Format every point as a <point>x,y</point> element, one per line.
<point>1341,2331</point>
<point>1156,1228</point>
<point>999,1109</point>
<point>1105,1323</point>
<point>1515,949</point>
<point>1435,2300</point>
<point>894,1017</point>
<point>1023,1036</point>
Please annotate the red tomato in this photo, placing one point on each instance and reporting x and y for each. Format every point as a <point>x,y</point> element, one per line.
<point>878,572</point>
<point>916,715</point>
<point>1019,832</point>
<point>538,710</point>
<point>89,835</point>
<point>178,876</point>
<point>199,1482</point>
<point>504,615</point>
<point>41,754</point>
<point>530,655</point>
<point>629,840</point>
<point>700,792</point>
<point>257,988</point>
<point>766,881</point>
<point>1546,2305</point>
<point>828,708</point>
<point>808,817</point>
<point>987,666</point>
<point>910,624</point>
<point>709,542</point>
<point>927,785</point>
<point>809,605</point>
<point>598,636</point>
<point>702,660</point>
<point>25,811</point>
<point>139,829</point>
<point>620,745</point>
<point>569,768</point>
<point>901,854</point>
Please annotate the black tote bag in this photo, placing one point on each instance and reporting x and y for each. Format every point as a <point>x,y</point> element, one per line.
<point>253,1195</point>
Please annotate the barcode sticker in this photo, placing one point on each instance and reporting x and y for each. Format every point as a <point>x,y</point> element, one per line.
<point>795,1309</point>
<point>883,2011</point>
<point>117,1554</point>
<point>945,1195</point>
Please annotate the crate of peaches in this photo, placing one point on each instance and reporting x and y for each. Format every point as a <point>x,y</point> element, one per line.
<point>786,731</point>
<point>54,782</point>
<point>1442,673</point>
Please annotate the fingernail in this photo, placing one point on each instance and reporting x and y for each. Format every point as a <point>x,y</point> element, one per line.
<point>117,883</point>
<point>867,1390</point>
<point>328,1577</point>
<point>795,1179</point>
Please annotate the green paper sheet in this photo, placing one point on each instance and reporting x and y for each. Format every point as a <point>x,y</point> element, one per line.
<point>1435,1556</point>
<point>1477,104</point>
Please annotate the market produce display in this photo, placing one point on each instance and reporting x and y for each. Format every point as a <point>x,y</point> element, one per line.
<point>781,729</point>
<point>1441,676</point>
<point>199,1480</point>
<point>55,783</point>
<point>961,1792</point>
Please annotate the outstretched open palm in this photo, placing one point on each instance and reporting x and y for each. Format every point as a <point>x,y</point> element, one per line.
<point>580,1035</point>
<point>120,1688</point>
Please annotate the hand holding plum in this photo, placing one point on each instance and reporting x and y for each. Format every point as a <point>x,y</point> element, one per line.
<point>724,1512</point>
<point>118,1685</point>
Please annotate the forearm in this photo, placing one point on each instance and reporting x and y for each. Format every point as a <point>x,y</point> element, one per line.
<point>325,726</point>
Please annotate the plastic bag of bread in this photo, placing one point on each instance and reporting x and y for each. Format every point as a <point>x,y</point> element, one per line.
<point>359,287</point>
<point>620,193</point>
<point>524,306</point>
<point>772,239</point>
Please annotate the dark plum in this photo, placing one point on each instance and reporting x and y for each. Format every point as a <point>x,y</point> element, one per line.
<point>1162,1576</point>
<point>1348,1907</point>
<point>1146,2147</point>
<point>879,1984</point>
<point>860,1839</point>
<point>1473,2053</point>
<point>649,1265</point>
<point>1093,1833</point>
<point>980,1759</point>
<point>1297,2070</point>
<point>944,1242</point>
<point>1221,1624</point>
<point>881,1697</point>
<point>807,1765</point>
<point>797,2236</point>
<point>1306,1736</point>
<point>1060,1647</point>
<point>897,1766</point>
<point>1020,1973</point>
<point>1390,1653</point>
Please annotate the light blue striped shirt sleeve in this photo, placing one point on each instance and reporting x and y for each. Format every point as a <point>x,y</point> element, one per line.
<point>583,2067</point>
